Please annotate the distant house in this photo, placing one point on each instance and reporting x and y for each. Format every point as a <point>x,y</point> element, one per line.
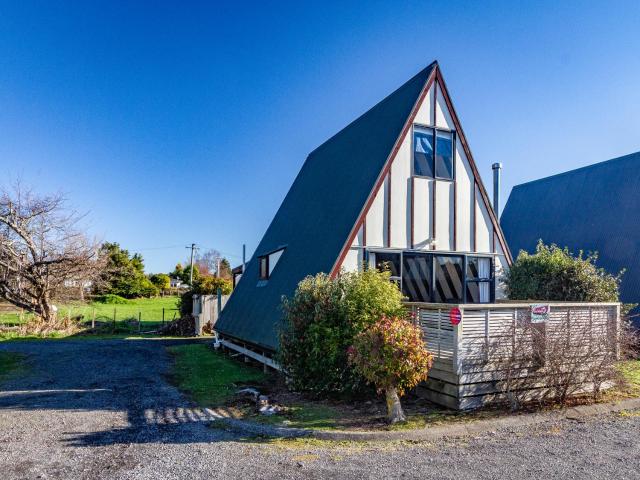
<point>397,186</point>
<point>594,208</point>
<point>177,283</point>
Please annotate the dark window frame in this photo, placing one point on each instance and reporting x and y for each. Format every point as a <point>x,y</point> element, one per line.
<point>478,280</point>
<point>265,259</point>
<point>434,131</point>
<point>370,262</point>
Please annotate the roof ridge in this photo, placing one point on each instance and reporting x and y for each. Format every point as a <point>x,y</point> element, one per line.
<point>579,169</point>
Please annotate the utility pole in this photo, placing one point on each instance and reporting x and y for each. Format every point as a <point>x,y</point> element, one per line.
<point>218,267</point>
<point>193,249</point>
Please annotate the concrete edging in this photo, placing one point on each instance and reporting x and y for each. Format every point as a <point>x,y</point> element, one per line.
<point>439,432</point>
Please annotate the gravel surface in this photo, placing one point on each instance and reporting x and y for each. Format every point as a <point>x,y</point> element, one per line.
<point>104,409</point>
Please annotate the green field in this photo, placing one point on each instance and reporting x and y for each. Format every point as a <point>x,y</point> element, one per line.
<point>150,311</point>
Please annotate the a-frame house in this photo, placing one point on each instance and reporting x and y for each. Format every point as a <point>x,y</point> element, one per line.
<point>397,186</point>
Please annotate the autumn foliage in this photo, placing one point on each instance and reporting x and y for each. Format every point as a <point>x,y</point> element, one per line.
<point>391,354</point>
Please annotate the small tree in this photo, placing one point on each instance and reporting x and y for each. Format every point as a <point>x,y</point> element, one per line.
<point>391,355</point>
<point>321,321</point>
<point>124,274</point>
<point>161,281</point>
<point>553,273</point>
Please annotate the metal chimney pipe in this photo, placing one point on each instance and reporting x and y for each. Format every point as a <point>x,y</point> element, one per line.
<point>244,256</point>
<point>496,167</point>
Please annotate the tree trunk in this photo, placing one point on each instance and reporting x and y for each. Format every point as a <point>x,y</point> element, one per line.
<point>394,409</point>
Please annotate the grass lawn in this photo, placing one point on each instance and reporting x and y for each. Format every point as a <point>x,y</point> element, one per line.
<point>150,310</point>
<point>209,377</point>
<point>212,379</point>
<point>10,365</point>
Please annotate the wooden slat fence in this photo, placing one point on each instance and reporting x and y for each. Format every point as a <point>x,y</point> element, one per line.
<point>469,357</point>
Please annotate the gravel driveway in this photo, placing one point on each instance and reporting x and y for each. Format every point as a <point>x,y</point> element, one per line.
<point>104,409</point>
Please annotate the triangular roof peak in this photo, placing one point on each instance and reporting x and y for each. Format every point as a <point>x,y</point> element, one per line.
<point>324,207</point>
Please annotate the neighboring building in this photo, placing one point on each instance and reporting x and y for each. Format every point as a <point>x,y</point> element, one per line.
<point>594,208</point>
<point>398,185</point>
<point>177,283</point>
<point>236,274</point>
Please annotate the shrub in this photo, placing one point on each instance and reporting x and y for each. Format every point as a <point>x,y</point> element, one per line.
<point>111,299</point>
<point>391,355</point>
<point>162,281</point>
<point>554,274</point>
<point>185,303</point>
<point>320,323</point>
<point>209,285</point>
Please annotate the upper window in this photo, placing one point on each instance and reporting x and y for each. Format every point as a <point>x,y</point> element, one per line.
<point>432,153</point>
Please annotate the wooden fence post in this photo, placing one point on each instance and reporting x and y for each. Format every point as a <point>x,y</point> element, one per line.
<point>139,321</point>
<point>163,316</point>
<point>93,319</point>
<point>114,320</point>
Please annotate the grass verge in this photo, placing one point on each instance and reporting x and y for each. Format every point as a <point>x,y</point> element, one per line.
<point>630,371</point>
<point>209,377</point>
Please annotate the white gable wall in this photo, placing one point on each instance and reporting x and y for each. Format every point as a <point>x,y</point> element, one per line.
<point>464,201</point>
<point>462,222</point>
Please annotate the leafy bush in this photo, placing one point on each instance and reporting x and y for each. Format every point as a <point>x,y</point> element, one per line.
<point>391,355</point>
<point>320,323</point>
<point>161,281</point>
<point>554,274</point>
<point>111,299</point>
<point>209,285</point>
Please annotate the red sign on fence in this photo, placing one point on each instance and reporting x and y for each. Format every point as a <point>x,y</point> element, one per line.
<point>455,316</point>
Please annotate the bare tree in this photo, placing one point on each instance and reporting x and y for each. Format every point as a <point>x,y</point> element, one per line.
<point>41,248</point>
<point>210,261</point>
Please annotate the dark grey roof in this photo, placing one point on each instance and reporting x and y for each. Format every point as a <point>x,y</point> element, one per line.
<point>595,208</point>
<point>318,214</point>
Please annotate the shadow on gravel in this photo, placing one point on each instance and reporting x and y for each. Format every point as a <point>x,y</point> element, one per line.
<point>104,377</point>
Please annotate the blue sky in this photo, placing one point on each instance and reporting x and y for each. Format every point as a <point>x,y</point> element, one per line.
<point>173,123</point>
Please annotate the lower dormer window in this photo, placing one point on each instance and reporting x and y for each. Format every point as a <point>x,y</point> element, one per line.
<point>267,262</point>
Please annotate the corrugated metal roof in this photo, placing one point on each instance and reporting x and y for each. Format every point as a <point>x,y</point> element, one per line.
<point>318,213</point>
<point>594,208</point>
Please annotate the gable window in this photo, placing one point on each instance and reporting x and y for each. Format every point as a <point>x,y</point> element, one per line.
<point>263,273</point>
<point>433,153</point>
<point>267,262</point>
